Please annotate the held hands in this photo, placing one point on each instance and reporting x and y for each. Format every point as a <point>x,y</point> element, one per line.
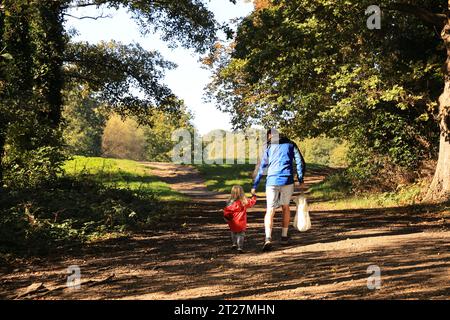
<point>253,192</point>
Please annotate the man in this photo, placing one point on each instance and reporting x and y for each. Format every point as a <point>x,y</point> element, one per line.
<point>278,159</point>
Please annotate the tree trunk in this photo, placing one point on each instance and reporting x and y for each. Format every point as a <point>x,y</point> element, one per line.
<point>439,189</point>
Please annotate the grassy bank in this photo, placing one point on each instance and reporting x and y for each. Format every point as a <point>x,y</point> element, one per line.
<point>121,174</point>
<point>333,193</point>
<point>221,178</point>
<point>95,199</point>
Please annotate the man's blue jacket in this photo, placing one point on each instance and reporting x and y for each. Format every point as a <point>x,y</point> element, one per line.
<point>278,159</point>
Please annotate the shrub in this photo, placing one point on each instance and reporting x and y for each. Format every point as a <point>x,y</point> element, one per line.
<point>30,169</point>
<point>70,213</point>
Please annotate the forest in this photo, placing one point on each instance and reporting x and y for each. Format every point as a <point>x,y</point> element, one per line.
<point>86,141</point>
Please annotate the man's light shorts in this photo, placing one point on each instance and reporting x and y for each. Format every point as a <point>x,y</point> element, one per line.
<point>278,196</point>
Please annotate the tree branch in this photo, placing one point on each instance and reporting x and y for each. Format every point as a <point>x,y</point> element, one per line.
<point>88,17</point>
<point>437,19</point>
<point>84,5</point>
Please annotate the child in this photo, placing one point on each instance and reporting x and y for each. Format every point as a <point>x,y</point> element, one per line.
<point>235,213</point>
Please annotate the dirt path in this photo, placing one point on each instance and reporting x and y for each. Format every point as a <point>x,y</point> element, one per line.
<point>189,258</point>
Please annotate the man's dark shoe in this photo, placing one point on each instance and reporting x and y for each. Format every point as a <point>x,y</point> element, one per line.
<point>240,251</point>
<point>234,247</point>
<point>267,245</point>
<point>284,241</point>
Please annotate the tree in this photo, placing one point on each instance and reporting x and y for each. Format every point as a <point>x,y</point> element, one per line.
<point>85,120</point>
<point>159,144</point>
<point>123,139</point>
<point>312,67</point>
<point>31,98</point>
<point>44,61</point>
<point>185,22</point>
<point>111,71</point>
<point>440,186</point>
<point>4,56</point>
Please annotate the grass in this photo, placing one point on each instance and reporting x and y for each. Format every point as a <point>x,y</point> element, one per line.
<point>121,174</point>
<point>334,193</point>
<point>96,199</point>
<point>221,178</point>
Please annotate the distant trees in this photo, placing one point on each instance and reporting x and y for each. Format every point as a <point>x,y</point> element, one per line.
<point>92,130</point>
<point>123,139</point>
<point>325,151</point>
<point>158,137</point>
<point>85,120</point>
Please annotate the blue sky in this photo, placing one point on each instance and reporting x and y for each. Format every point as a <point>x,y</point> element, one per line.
<point>189,79</point>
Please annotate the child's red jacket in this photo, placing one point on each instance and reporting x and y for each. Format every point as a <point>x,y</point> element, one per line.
<point>236,214</point>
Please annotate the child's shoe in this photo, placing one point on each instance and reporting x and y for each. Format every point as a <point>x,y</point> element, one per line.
<point>284,241</point>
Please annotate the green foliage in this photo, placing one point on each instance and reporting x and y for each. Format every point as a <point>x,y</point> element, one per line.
<point>335,193</point>
<point>311,67</point>
<point>324,151</point>
<point>39,209</point>
<point>339,155</point>
<point>185,22</point>
<point>122,174</point>
<point>126,139</point>
<point>70,213</point>
<point>38,60</point>
<point>91,129</point>
<point>221,178</point>
<point>248,145</point>
<point>32,34</point>
<point>123,139</point>
<point>335,186</point>
<point>126,78</point>
<point>159,144</point>
<point>85,120</point>
<point>97,198</point>
<point>32,169</point>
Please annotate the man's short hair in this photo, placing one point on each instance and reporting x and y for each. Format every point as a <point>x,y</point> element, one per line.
<point>272,131</point>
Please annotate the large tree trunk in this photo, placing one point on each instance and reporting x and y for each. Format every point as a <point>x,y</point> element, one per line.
<point>439,189</point>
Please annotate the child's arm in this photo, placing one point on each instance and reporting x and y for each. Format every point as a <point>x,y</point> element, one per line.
<point>252,201</point>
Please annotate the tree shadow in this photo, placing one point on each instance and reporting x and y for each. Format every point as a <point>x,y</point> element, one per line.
<point>189,252</point>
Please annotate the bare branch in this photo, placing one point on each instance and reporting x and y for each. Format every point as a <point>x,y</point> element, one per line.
<point>88,17</point>
<point>437,19</point>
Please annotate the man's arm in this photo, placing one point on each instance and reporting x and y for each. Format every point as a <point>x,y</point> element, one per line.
<point>300,162</point>
<point>262,166</point>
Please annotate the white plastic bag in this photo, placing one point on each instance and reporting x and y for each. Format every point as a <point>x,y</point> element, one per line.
<point>302,221</point>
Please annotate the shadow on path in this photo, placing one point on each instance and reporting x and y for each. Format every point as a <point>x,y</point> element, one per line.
<point>189,257</point>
